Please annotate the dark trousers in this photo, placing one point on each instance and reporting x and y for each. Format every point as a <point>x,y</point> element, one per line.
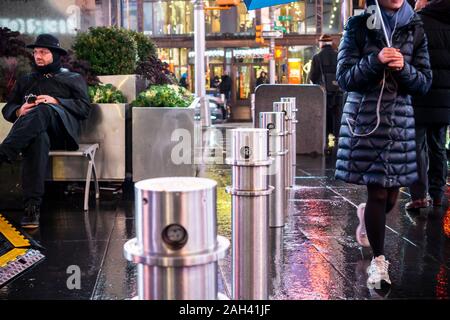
<point>333,114</point>
<point>431,162</point>
<point>34,135</point>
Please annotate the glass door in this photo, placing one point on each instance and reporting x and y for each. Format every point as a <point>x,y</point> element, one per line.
<point>243,84</point>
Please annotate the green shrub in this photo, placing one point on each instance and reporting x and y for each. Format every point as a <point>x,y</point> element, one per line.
<point>109,50</point>
<point>164,96</point>
<point>106,93</point>
<point>145,47</point>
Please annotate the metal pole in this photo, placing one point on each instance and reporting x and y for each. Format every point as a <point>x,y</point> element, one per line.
<point>250,192</point>
<point>346,11</point>
<point>293,128</point>
<point>253,108</point>
<point>199,48</point>
<point>276,262</point>
<point>286,108</point>
<point>274,122</point>
<point>176,246</point>
<point>272,48</point>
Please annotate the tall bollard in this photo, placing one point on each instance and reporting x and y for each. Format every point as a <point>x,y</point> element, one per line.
<point>176,245</point>
<point>293,102</point>
<point>286,108</point>
<point>274,122</point>
<point>250,190</point>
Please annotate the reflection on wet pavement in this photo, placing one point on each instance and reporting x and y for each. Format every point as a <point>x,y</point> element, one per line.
<point>315,256</point>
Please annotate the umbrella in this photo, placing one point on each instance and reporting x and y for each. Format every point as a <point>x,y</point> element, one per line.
<point>256,4</point>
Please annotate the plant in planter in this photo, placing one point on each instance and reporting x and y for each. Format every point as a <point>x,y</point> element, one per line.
<point>106,93</point>
<point>170,96</point>
<point>109,50</point>
<point>82,67</point>
<point>145,47</point>
<point>156,72</point>
<point>14,61</point>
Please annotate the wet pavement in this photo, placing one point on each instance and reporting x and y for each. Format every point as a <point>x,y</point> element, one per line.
<point>315,256</point>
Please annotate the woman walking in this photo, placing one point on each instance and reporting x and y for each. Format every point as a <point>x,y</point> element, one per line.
<point>380,67</point>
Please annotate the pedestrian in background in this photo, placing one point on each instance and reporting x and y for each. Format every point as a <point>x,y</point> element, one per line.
<point>432,111</point>
<point>323,73</point>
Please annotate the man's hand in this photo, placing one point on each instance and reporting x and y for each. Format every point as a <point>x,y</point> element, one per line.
<point>46,99</point>
<point>25,108</point>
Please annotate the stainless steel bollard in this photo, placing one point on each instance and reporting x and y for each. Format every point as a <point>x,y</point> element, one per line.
<point>293,102</point>
<point>286,108</point>
<point>253,108</point>
<point>274,122</point>
<point>276,236</point>
<point>176,246</point>
<point>250,190</point>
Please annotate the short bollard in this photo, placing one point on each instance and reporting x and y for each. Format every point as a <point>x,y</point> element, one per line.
<point>176,246</point>
<point>286,108</point>
<point>274,122</point>
<point>293,147</point>
<point>250,190</point>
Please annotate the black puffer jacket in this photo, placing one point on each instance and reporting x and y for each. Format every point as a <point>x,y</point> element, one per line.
<point>434,107</point>
<point>387,157</point>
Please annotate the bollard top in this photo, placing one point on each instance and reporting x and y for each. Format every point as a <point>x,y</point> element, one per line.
<point>176,184</point>
<point>249,146</point>
<point>292,100</point>
<point>285,107</point>
<point>274,122</point>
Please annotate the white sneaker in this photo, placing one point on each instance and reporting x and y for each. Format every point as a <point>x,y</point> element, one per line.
<point>361,234</point>
<point>378,273</point>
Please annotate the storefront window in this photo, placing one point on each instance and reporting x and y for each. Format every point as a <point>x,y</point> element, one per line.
<point>293,17</point>
<point>168,17</point>
<point>176,58</point>
<point>129,14</point>
<point>296,17</point>
<point>212,18</point>
<point>298,64</point>
<point>246,19</point>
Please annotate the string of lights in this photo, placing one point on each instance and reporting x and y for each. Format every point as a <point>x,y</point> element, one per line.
<point>335,5</point>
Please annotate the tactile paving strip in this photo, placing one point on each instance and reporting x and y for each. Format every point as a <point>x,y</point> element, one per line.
<point>19,265</point>
<point>16,254</point>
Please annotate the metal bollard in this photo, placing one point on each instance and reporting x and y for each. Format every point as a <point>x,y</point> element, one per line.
<point>253,108</point>
<point>293,102</point>
<point>286,108</point>
<point>274,122</point>
<point>176,246</point>
<point>250,192</point>
<point>276,258</point>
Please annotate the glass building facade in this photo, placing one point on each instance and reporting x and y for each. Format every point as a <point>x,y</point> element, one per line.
<point>231,45</point>
<point>175,17</point>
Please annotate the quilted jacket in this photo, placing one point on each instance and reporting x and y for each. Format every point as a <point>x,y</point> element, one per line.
<point>387,157</point>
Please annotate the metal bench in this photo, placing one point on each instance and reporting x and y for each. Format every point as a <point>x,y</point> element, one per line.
<point>88,151</point>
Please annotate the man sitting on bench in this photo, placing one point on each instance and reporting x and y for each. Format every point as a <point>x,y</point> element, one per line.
<point>46,108</point>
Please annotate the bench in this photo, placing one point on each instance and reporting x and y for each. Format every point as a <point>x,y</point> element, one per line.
<point>87,151</point>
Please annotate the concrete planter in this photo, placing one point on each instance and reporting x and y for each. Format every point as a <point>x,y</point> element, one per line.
<point>156,142</point>
<point>10,181</point>
<point>131,84</point>
<point>5,126</point>
<point>107,125</point>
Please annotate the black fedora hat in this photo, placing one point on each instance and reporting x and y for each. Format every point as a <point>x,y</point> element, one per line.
<point>47,41</point>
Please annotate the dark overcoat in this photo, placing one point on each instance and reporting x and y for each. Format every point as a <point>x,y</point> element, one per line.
<point>387,157</point>
<point>69,88</point>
